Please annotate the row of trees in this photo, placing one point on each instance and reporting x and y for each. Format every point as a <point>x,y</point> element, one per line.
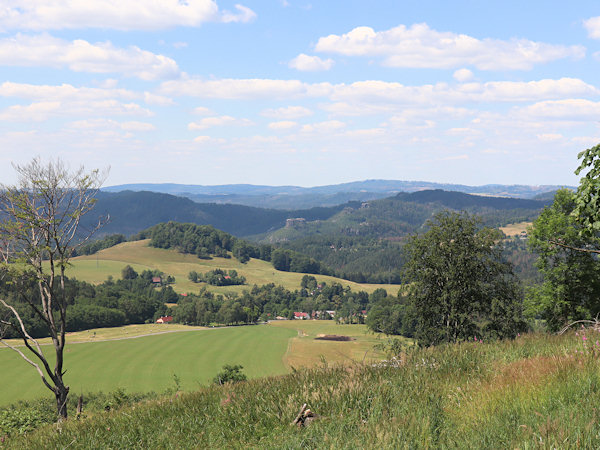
<point>217,277</point>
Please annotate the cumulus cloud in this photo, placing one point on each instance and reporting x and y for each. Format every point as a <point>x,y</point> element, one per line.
<point>243,89</point>
<point>81,56</point>
<point>419,46</point>
<point>463,75</point>
<point>308,63</point>
<point>568,109</point>
<point>43,110</point>
<point>218,121</point>
<point>328,126</point>
<point>111,124</point>
<point>67,100</point>
<point>592,25</point>
<point>115,14</point>
<point>288,112</point>
<point>283,125</point>
<point>205,140</point>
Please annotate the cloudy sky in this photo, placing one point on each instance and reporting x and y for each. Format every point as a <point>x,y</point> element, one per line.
<point>301,92</point>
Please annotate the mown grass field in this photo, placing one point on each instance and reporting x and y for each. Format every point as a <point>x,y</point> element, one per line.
<point>305,351</point>
<point>143,358</point>
<point>538,391</point>
<point>96,268</point>
<point>515,229</point>
<point>150,363</point>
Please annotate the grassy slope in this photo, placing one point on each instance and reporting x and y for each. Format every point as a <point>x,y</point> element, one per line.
<point>96,268</point>
<point>536,391</point>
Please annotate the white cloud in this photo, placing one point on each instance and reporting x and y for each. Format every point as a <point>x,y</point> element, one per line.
<point>111,124</point>
<point>288,112</point>
<point>283,125</point>
<point>208,140</point>
<point>202,111</point>
<point>230,88</point>
<point>115,14</point>
<point>67,100</point>
<point>592,25</point>
<point>550,137</point>
<point>243,14</point>
<point>43,110</point>
<point>463,75</point>
<point>219,121</point>
<point>328,126</point>
<point>419,46</point>
<point>569,109</point>
<point>81,56</point>
<point>308,63</point>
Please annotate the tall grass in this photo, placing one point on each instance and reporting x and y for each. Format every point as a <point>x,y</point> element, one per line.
<point>535,391</point>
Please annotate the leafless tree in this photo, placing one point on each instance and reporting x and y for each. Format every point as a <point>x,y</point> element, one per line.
<point>40,220</point>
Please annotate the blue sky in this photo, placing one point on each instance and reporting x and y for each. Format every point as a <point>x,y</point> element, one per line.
<point>304,93</point>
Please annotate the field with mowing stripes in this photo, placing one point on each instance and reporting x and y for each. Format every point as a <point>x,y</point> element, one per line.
<point>96,268</point>
<point>143,358</point>
<point>149,363</point>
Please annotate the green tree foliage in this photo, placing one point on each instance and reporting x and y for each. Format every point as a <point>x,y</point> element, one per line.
<point>587,199</point>
<point>459,284</point>
<point>95,246</point>
<point>571,286</point>
<point>128,273</point>
<point>218,277</point>
<point>230,374</point>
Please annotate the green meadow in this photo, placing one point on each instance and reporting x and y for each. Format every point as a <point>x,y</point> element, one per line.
<point>109,262</point>
<point>537,391</point>
<point>151,363</point>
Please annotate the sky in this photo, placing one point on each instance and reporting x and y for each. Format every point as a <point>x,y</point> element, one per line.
<point>301,92</point>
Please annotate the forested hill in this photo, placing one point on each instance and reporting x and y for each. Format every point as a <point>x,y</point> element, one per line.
<point>460,200</point>
<point>131,212</point>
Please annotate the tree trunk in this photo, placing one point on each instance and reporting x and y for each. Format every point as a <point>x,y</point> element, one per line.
<point>61,393</point>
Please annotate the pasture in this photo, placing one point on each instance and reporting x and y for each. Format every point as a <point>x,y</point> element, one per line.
<point>109,262</point>
<point>150,363</point>
<point>144,358</point>
<point>515,229</point>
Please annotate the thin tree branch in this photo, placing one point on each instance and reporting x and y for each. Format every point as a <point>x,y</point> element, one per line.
<point>570,247</point>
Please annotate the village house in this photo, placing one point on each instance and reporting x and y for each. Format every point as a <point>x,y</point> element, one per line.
<point>165,319</point>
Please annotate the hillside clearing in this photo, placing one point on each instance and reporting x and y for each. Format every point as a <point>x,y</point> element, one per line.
<point>109,262</point>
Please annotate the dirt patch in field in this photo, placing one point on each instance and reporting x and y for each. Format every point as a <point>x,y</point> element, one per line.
<point>333,337</point>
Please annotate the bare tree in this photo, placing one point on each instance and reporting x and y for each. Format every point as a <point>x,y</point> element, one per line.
<point>39,229</point>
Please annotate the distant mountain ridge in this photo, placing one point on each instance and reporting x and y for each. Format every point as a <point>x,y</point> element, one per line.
<point>296,197</point>
<point>131,212</point>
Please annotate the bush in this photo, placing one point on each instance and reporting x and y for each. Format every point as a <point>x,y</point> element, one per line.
<point>230,374</point>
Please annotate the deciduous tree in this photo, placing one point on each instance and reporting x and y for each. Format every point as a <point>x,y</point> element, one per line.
<point>459,283</point>
<point>39,228</point>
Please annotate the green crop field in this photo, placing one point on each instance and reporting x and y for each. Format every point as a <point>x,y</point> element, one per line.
<point>96,268</point>
<point>150,363</point>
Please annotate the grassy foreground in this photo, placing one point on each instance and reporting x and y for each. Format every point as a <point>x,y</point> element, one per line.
<point>538,391</point>
<point>96,268</point>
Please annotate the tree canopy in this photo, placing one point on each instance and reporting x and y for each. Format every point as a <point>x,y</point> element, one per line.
<point>459,285</point>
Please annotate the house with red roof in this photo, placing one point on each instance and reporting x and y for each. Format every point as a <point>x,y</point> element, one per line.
<point>165,319</point>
